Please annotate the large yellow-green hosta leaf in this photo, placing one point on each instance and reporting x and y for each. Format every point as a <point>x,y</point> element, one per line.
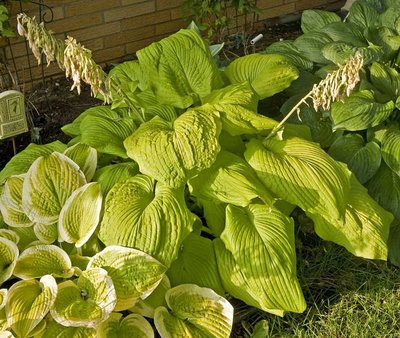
<point>360,111</point>
<point>148,216</point>
<point>39,260</point>
<point>28,302</point>
<point>180,69</point>
<point>229,180</point>
<point>196,263</point>
<point>237,106</point>
<point>26,236</point>
<point>8,258</point>
<point>85,302</point>
<point>54,329</point>
<point>80,214</point>
<point>85,157</point>
<point>301,173</point>
<point>46,233</point>
<point>134,273</point>
<point>9,234</point>
<point>11,202</point>
<point>107,134</point>
<point>47,185</point>
<point>194,312</point>
<point>173,152</point>
<point>3,317</point>
<point>21,162</point>
<point>131,326</point>
<point>391,150</point>
<point>268,74</point>
<point>261,240</point>
<point>112,174</point>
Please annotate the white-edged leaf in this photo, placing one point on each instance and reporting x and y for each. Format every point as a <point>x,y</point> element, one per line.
<point>85,157</point>
<point>131,326</point>
<point>194,312</point>
<point>39,260</point>
<point>46,233</point>
<point>47,185</point>
<point>134,273</point>
<point>80,214</point>
<point>9,234</point>
<point>8,258</point>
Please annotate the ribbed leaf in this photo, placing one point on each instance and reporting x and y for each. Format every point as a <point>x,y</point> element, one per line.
<point>9,234</point>
<point>131,326</point>
<point>147,216</point>
<point>384,187</point>
<point>174,152</point>
<point>339,52</point>
<point>362,159</point>
<point>46,233</point>
<point>39,260</point>
<point>391,150</point>
<point>310,45</point>
<point>26,236</point>
<point>47,185</point>
<point>346,32</point>
<point>315,20</point>
<point>180,69</point>
<point>387,38</point>
<point>107,134</point>
<point>53,329</point>
<point>85,157</point>
<point>261,240</point>
<point>360,111</point>
<point>8,258</point>
<point>386,79</point>
<point>115,173</point>
<point>11,202</point>
<point>268,74</point>
<point>214,213</point>
<point>28,302</point>
<point>134,273</point>
<point>362,14</point>
<point>301,173</point>
<point>237,106</point>
<point>195,312</point>
<point>80,214</point>
<point>21,162</point>
<point>85,302</point>
<point>229,180</point>
<point>196,263</point>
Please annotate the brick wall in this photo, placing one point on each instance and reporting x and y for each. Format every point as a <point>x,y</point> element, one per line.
<point>115,29</point>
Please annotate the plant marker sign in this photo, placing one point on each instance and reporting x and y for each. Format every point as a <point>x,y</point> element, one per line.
<point>12,114</point>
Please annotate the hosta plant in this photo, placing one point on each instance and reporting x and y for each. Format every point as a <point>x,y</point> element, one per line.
<point>176,195</point>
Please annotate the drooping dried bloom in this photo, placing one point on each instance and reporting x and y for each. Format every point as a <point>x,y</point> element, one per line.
<point>337,84</point>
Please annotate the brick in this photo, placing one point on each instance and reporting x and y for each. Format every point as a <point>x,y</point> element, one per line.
<point>166,4</point>
<point>89,6</point>
<point>177,13</point>
<point>96,31</point>
<point>94,44</point>
<point>169,27</point>
<point>130,2</point>
<point>306,4</point>
<point>76,22</point>
<point>146,19</point>
<point>129,36</point>
<point>120,13</point>
<point>133,47</point>
<point>109,54</point>
<point>277,11</point>
<point>263,4</point>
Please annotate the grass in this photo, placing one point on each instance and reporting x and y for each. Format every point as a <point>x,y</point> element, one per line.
<point>346,296</point>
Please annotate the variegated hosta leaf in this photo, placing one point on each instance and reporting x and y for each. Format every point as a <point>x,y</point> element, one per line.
<point>80,214</point>
<point>229,180</point>
<point>9,234</point>
<point>26,236</point>
<point>360,111</point>
<point>39,260</point>
<point>8,258</point>
<point>85,157</point>
<point>196,263</point>
<point>237,106</point>
<point>85,302</point>
<point>174,152</point>
<point>3,297</point>
<point>365,229</point>
<point>180,69</point>
<point>194,312</point>
<point>268,74</point>
<point>46,233</point>
<point>134,273</point>
<point>146,307</point>
<point>11,202</point>
<point>261,240</point>
<point>28,302</point>
<point>79,261</point>
<point>47,185</point>
<point>391,150</point>
<point>6,334</point>
<point>362,159</point>
<point>55,329</point>
<point>3,320</point>
<point>21,162</point>
<point>301,173</point>
<point>115,173</point>
<point>131,326</point>
<point>148,216</point>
